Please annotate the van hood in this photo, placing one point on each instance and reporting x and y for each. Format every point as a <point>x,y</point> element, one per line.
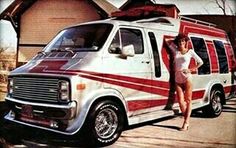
<point>55,65</point>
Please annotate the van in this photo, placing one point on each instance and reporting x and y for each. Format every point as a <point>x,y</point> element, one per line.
<point>102,76</point>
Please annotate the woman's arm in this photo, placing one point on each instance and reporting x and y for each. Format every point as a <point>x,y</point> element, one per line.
<point>170,44</point>
<point>197,59</point>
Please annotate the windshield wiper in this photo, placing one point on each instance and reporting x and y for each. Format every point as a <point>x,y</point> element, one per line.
<point>42,52</point>
<point>69,50</point>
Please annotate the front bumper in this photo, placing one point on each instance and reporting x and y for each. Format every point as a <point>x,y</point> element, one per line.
<point>52,117</point>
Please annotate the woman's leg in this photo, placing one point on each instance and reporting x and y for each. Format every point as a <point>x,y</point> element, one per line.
<point>180,96</point>
<point>188,100</point>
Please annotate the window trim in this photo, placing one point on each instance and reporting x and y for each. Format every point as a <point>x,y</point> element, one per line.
<point>218,57</point>
<point>127,28</point>
<point>157,68</point>
<point>206,50</point>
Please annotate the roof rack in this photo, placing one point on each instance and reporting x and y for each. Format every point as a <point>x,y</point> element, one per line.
<point>160,20</point>
<point>147,11</point>
<point>197,21</point>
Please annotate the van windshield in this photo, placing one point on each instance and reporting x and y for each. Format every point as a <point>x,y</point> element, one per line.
<point>80,38</point>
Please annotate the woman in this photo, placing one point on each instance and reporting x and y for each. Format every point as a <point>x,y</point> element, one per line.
<point>183,82</point>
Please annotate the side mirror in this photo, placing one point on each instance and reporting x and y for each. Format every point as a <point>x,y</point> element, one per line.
<point>115,48</point>
<point>128,51</point>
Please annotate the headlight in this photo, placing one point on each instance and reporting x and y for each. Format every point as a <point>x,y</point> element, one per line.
<point>10,86</point>
<point>64,93</point>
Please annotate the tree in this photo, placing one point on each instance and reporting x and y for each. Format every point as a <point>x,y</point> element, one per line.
<point>221,5</point>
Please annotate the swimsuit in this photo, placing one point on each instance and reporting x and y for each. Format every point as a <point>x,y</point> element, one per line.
<point>182,62</point>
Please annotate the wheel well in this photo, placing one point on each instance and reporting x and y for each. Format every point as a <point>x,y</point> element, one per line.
<point>116,100</point>
<point>220,87</point>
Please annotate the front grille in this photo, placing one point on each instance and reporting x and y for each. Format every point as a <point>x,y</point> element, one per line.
<point>35,89</point>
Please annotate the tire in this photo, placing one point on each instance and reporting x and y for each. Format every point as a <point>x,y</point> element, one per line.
<point>104,123</point>
<point>215,107</point>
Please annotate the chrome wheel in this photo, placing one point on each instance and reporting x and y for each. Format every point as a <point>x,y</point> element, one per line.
<point>106,123</point>
<point>215,106</point>
<point>216,102</point>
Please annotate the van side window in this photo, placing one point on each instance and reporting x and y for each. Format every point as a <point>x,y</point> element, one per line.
<point>155,54</point>
<point>201,50</point>
<point>127,37</point>
<point>223,63</point>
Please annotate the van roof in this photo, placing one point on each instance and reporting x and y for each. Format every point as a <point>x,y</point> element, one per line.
<point>160,23</point>
<point>163,23</point>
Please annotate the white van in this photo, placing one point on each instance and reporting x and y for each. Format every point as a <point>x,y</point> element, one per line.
<point>101,76</point>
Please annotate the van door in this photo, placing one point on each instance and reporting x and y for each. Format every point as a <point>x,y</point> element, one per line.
<point>161,78</point>
<point>130,75</point>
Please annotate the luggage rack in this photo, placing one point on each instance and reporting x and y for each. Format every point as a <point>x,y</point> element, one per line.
<point>146,12</point>
<point>160,20</point>
<point>197,21</point>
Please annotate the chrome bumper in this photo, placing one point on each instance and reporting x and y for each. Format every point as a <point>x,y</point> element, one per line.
<point>42,115</point>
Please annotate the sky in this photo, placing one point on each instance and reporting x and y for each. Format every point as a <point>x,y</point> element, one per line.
<point>8,35</point>
<point>201,6</point>
<point>193,6</point>
<point>117,3</point>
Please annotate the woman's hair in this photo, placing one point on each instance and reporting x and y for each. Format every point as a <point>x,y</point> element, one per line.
<point>179,37</point>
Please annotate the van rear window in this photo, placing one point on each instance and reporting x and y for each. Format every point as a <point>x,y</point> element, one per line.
<point>223,63</point>
<point>201,50</point>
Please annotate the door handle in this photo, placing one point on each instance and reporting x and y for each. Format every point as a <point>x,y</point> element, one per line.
<point>147,62</point>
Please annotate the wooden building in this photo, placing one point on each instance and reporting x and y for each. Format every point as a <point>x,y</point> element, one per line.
<point>36,22</point>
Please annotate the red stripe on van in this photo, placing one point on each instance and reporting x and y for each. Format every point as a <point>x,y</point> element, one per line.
<point>144,104</point>
<point>165,58</point>
<point>143,81</point>
<point>137,86</point>
<point>230,56</point>
<point>229,89</point>
<point>192,64</point>
<point>189,27</point>
<point>46,66</point>
<point>213,58</point>
<point>198,94</point>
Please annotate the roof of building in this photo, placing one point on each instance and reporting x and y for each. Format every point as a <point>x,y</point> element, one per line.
<point>17,7</point>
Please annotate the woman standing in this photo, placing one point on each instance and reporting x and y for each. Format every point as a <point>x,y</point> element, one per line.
<point>183,81</point>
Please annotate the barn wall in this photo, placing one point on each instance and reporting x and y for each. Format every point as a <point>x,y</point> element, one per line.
<point>45,18</point>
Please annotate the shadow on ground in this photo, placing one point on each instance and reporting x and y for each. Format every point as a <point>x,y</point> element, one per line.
<point>12,134</point>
